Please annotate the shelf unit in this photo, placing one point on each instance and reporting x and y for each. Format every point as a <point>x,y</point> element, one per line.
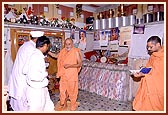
<point>21,32</point>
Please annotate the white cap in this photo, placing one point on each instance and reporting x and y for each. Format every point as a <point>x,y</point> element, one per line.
<point>36,33</point>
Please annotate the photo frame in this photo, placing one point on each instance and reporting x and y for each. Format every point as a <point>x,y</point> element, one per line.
<point>59,12</point>
<point>46,9</point>
<point>139,29</point>
<point>104,38</point>
<point>71,14</point>
<point>96,36</point>
<point>72,34</point>
<point>75,39</point>
<point>83,32</point>
<point>125,35</point>
<point>82,40</point>
<point>114,34</point>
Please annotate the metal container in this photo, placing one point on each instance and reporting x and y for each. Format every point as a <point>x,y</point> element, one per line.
<point>117,22</point>
<point>103,23</point>
<point>110,23</point>
<point>131,20</point>
<point>124,21</point>
<point>148,18</point>
<point>96,24</point>
<point>139,21</point>
<point>158,16</point>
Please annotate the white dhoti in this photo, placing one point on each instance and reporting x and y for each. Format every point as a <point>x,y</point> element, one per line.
<point>39,99</point>
<point>19,105</point>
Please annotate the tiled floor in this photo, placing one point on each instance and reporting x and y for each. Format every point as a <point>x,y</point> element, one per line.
<point>93,102</point>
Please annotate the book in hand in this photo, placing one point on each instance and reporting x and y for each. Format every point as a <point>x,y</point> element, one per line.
<point>144,70</point>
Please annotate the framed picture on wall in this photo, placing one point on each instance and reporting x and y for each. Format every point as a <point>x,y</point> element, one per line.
<point>45,9</point>
<point>96,36</point>
<point>114,34</point>
<point>72,34</point>
<point>59,12</point>
<point>139,29</point>
<point>82,33</point>
<point>82,40</point>
<point>125,36</point>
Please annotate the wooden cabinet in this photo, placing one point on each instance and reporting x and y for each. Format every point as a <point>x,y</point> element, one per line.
<point>57,43</point>
<point>19,36</point>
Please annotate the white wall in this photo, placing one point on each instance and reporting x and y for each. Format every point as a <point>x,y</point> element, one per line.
<point>89,40</point>
<point>138,41</point>
<point>138,55</point>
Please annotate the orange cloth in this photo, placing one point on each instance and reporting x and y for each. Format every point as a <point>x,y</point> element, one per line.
<point>69,77</point>
<point>65,57</point>
<point>150,94</point>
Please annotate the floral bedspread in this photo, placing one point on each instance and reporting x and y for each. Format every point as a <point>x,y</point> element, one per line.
<point>108,80</point>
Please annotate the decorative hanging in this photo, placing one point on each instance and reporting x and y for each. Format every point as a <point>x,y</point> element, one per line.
<point>78,10</point>
<point>111,13</point>
<point>121,10</point>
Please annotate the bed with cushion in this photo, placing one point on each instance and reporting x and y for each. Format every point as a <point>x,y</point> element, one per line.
<point>109,80</point>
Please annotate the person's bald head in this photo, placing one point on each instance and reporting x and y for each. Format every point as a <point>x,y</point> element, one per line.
<point>68,44</point>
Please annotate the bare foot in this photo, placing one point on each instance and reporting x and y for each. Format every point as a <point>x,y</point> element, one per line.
<point>60,108</point>
<point>73,108</point>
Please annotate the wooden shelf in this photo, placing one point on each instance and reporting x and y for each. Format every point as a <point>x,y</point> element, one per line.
<point>42,28</point>
<point>34,27</point>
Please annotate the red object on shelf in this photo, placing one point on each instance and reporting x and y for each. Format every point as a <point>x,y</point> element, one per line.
<point>84,27</point>
<point>125,61</point>
<point>89,54</point>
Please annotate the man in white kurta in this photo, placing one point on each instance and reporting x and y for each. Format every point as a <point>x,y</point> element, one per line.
<point>37,94</point>
<point>17,80</point>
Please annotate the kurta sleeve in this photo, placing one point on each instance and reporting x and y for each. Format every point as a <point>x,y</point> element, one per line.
<point>37,69</point>
<point>36,72</point>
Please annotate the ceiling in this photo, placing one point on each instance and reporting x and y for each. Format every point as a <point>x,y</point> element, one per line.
<point>94,7</point>
<point>100,7</point>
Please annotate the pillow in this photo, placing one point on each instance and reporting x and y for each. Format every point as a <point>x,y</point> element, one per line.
<point>89,54</point>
